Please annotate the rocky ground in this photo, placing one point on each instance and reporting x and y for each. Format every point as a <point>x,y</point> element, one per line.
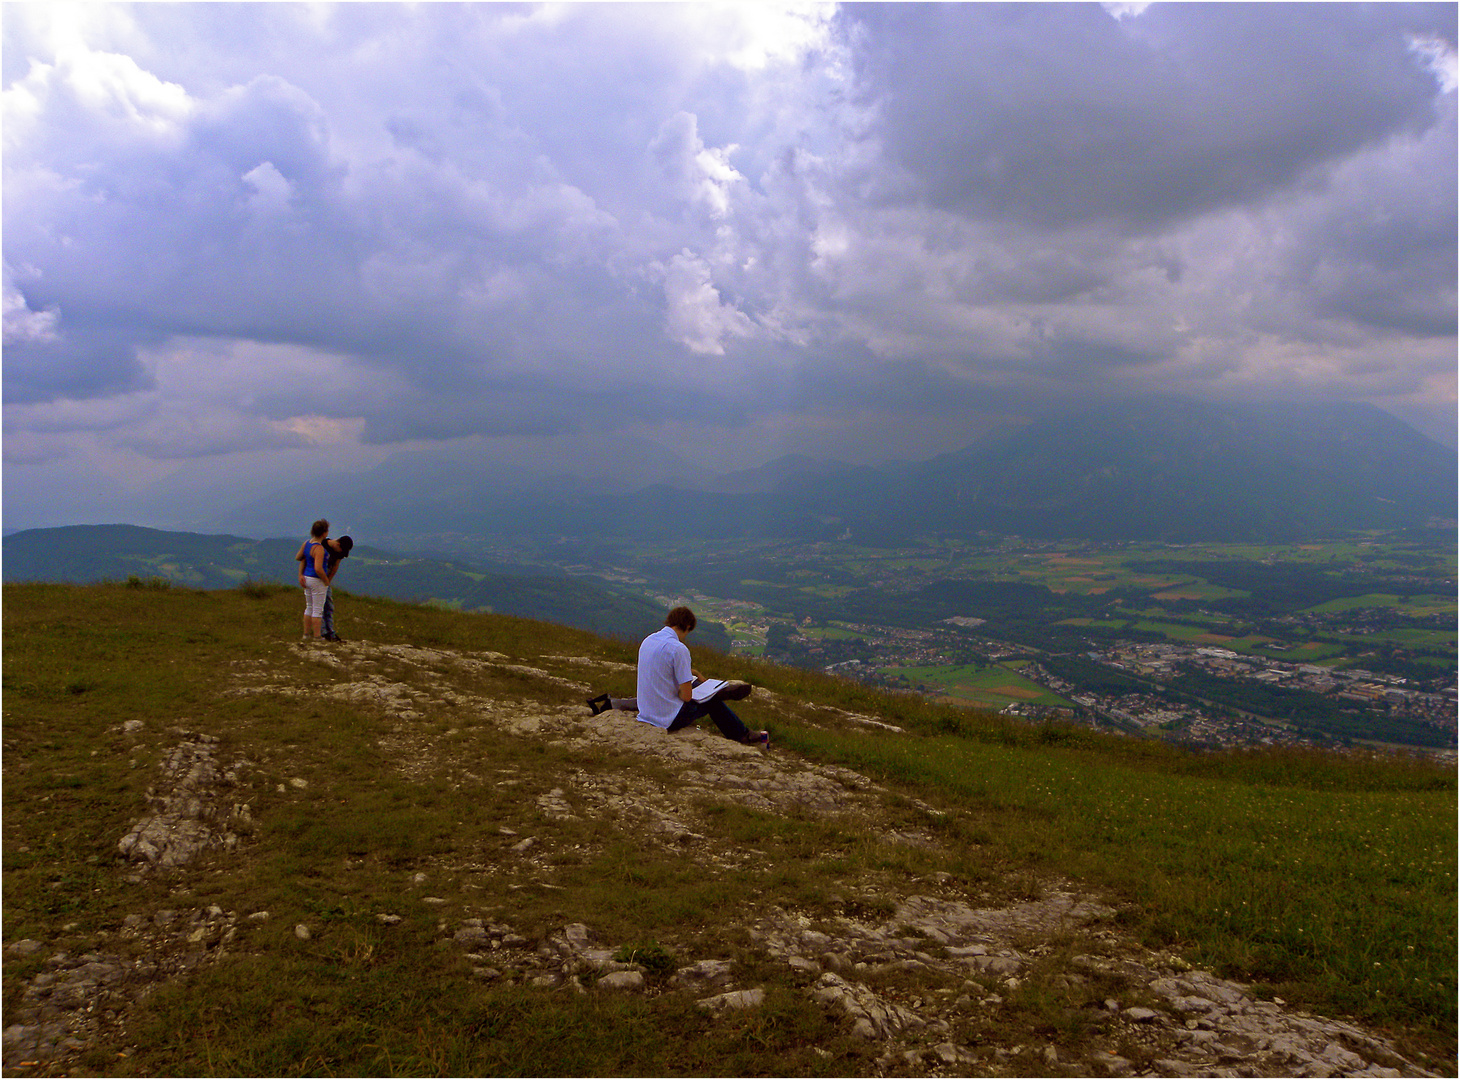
<point>927,977</point>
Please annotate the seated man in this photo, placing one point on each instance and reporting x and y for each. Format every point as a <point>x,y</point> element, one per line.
<point>666,684</point>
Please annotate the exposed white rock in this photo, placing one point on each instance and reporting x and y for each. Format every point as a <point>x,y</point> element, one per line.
<point>734,1000</point>
<point>622,980</point>
<point>872,1017</point>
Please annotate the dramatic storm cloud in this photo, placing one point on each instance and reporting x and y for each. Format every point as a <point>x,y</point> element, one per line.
<point>252,245</point>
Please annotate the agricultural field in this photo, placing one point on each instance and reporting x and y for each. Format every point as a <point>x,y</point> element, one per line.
<point>991,687</point>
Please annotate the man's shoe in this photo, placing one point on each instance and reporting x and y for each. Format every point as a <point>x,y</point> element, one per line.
<point>599,704</point>
<point>736,691</point>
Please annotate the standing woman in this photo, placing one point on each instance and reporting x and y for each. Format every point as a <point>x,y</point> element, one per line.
<point>314,576</point>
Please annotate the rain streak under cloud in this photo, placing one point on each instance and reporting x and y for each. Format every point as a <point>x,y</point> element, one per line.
<point>247,245</point>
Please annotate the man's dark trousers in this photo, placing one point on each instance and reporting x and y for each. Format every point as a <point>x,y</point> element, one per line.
<point>730,725</point>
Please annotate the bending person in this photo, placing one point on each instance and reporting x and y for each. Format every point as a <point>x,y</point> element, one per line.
<point>334,551</point>
<point>666,684</point>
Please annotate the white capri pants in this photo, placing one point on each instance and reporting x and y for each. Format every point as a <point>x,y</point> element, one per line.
<point>314,592</point>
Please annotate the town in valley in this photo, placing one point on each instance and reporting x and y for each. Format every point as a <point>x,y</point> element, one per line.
<point>1347,643</point>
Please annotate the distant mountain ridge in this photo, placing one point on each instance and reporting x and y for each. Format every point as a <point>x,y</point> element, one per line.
<point>1147,469</point>
<point>1162,468</point>
<point>1151,468</point>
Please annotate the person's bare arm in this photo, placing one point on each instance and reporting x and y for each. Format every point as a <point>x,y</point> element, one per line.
<point>686,691</point>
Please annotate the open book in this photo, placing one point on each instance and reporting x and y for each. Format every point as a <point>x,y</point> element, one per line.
<point>708,689</point>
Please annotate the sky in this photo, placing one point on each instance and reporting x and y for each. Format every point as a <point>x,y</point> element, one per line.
<point>254,247</point>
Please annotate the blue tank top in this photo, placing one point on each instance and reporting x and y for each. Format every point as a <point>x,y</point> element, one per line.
<point>309,570</point>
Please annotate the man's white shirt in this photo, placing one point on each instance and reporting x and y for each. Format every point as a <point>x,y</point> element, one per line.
<point>664,666</point>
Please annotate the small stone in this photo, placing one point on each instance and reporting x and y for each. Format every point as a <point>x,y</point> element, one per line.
<point>1343,1059</point>
<point>703,973</point>
<point>299,783</point>
<point>302,932</point>
<point>1110,1064</point>
<point>1173,1067</point>
<point>24,947</point>
<point>735,999</point>
<point>432,900</point>
<point>622,980</point>
<point>388,920</point>
<point>259,916</point>
<point>968,950</point>
<point>1138,1015</point>
<point>947,1053</point>
<point>524,845</point>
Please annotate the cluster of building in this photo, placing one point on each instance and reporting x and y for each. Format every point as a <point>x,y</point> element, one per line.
<point>1368,688</point>
<point>1149,712</point>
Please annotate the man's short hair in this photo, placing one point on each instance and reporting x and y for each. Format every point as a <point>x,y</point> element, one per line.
<point>681,618</point>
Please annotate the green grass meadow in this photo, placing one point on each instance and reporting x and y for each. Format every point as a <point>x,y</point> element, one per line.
<point>1329,880</point>
<point>1330,885</point>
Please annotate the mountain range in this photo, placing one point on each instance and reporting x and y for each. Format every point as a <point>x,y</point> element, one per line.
<point>1152,468</point>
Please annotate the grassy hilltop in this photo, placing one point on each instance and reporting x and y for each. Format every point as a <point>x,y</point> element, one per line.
<point>403,835</point>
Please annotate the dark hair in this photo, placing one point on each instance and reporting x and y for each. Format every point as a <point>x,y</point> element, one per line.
<point>681,618</point>
<point>345,544</point>
<point>319,528</point>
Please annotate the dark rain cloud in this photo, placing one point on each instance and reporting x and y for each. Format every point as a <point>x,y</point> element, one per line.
<point>1059,115</point>
<point>494,222</point>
